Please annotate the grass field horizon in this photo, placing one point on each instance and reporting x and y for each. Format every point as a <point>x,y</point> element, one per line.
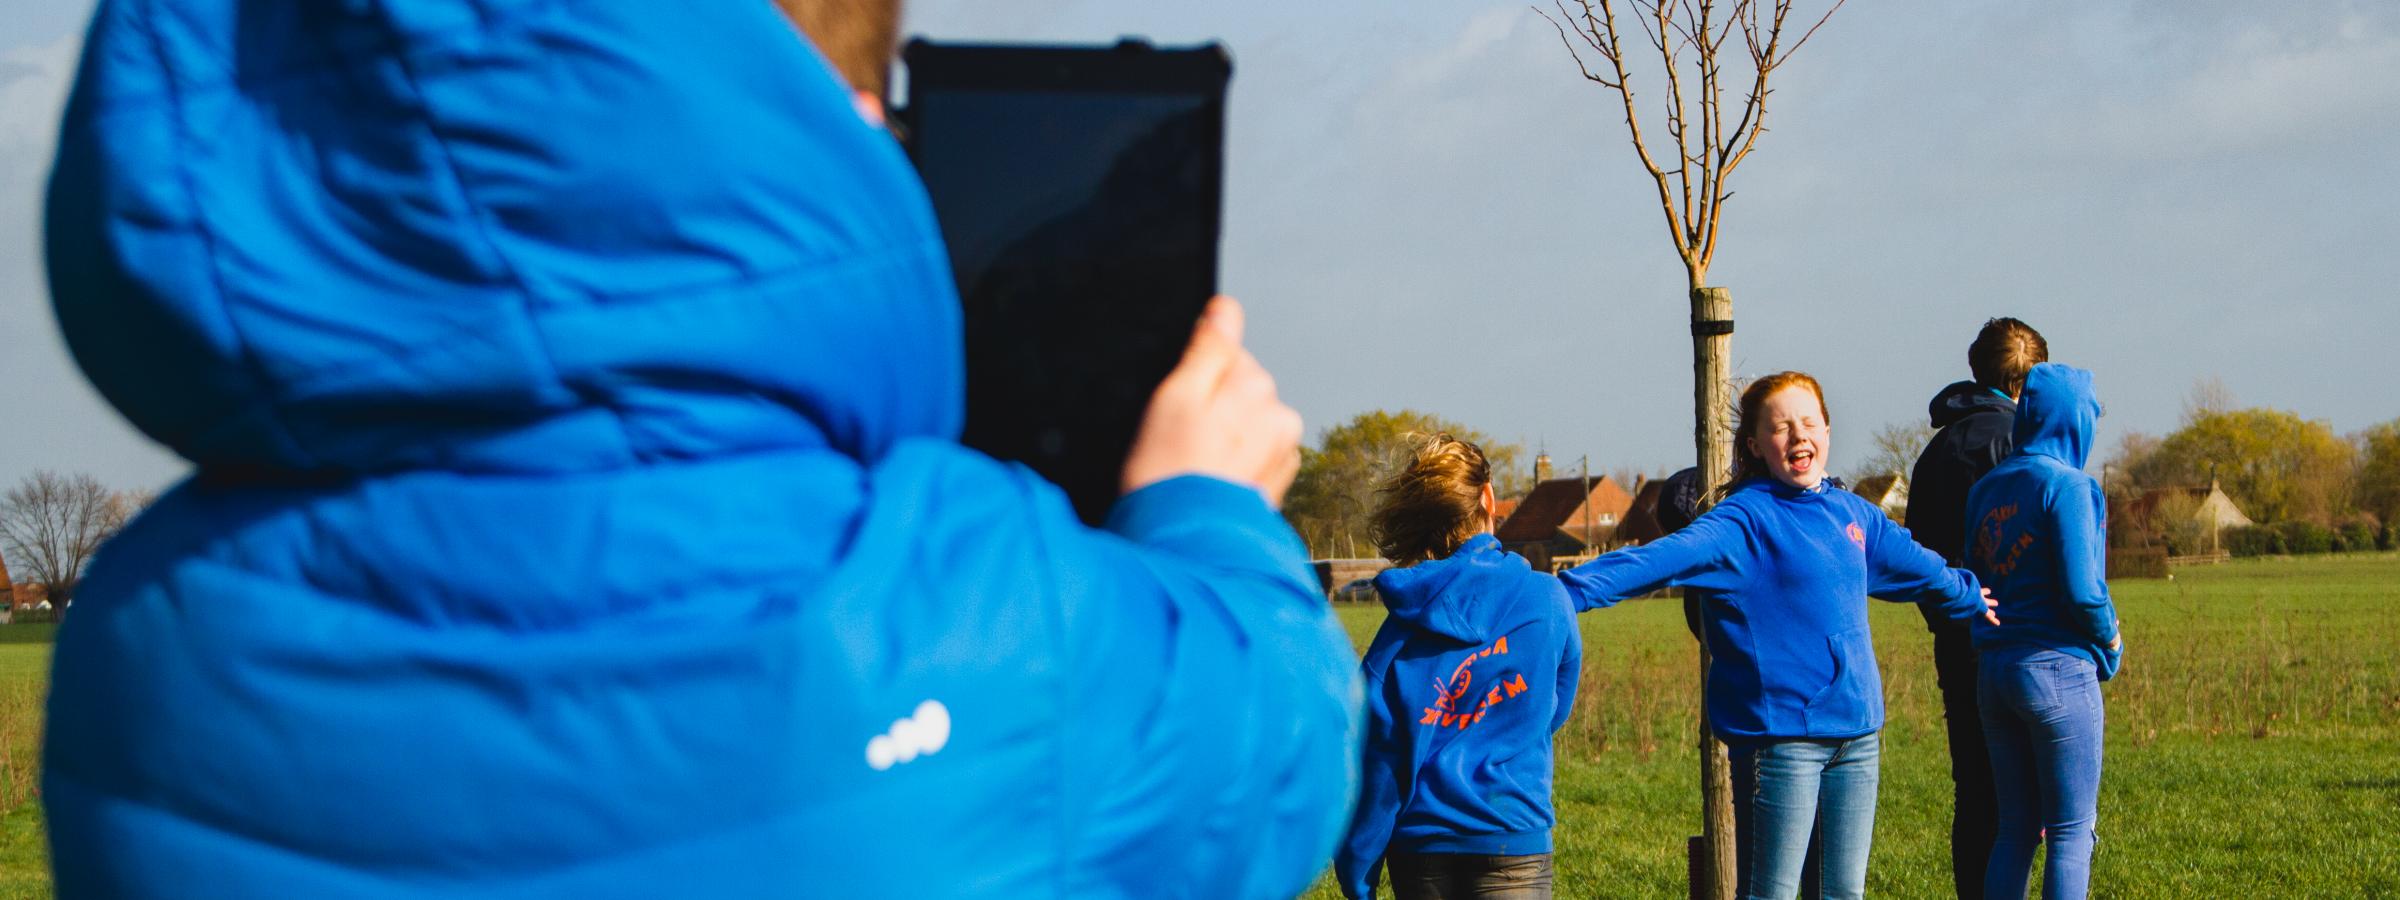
<point>2252,737</point>
<point>2251,743</point>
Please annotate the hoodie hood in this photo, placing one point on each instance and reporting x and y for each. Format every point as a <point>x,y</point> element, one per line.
<point>1457,596</point>
<point>1965,398</point>
<point>339,238</point>
<point>2056,414</point>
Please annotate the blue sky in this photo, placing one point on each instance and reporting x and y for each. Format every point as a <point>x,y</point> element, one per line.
<point>1428,207</point>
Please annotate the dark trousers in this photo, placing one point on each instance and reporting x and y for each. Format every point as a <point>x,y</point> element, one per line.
<point>1442,876</point>
<point>1974,817</point>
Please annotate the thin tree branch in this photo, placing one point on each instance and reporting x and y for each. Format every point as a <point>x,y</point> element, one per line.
<point>1686,220</point>
<point>1609,34</point>
<point>1811,32</point>
<point>1578,57</point>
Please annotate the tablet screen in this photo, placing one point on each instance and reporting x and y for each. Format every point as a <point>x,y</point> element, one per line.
<point>1078,191</point>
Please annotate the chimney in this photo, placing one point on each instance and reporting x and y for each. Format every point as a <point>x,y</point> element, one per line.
<point>1541,468</point>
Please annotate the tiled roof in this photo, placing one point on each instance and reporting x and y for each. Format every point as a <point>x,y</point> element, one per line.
<point>1559,503</point>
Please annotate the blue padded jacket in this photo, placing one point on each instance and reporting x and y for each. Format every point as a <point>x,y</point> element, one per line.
<point>573,391</point>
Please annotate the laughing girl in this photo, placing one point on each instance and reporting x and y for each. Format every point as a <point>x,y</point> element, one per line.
<point>1785,563</point>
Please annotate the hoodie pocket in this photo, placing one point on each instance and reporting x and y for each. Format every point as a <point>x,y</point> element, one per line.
<point>1852,702</point>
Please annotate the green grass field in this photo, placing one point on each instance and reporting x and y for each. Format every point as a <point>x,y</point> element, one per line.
<point>24,678</point>
<point>2253,742</point>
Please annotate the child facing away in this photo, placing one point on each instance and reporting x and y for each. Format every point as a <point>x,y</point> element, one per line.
<point>2038,537</point>
<point>1466,681</point>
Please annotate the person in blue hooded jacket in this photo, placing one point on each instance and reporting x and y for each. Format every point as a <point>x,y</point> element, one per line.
<point>1467,680</point>
<point>1785,564</point>
<point>573,393</point>
<point>2036,534</point>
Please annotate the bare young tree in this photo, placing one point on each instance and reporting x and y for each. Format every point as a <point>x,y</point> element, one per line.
<point>51,524</point>
<point>1689,41</point>
<point>1894,449</point>
<point>1703,49</point>
<point>2208,396</point>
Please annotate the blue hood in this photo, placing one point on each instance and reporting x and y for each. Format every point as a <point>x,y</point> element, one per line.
<point>275,244</point>
<point>1428,595</point>
<point>2056,414</point>
<point>1962,399</point>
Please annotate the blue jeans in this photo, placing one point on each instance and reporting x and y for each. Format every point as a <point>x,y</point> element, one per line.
<point>1784,789</point>
<point>2042,721</point>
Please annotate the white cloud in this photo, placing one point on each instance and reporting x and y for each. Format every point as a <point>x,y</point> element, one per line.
<point>1463,55</point>
<point>46,395</point>
<point>33,88</point>
<point>2264,89</point>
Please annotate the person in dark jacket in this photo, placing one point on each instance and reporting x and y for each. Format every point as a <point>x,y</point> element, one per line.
<point>2039,524</point>
<point>1467,680</point>
<point>574,396</point>
<point>1786,563</point>
<point>1974,419</point>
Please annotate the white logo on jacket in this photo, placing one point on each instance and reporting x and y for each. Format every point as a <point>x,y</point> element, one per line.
<point>923,733</point>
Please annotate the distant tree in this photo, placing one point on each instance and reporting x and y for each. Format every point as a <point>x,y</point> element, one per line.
<point>2378,488</point>
<point>1334,494</point>
<point>51,524</point>
<point>2209,396</point>
<point>1631,477</point>
<point>2132,454</point>
<point>2276,465</point>
<point>2176,521</point>
<point>1893,449</point>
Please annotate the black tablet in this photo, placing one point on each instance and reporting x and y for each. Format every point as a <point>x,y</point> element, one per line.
<point>1079,191</point>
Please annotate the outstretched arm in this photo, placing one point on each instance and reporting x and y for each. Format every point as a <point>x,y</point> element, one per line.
<point>1700,554</point>
<point>1211,738</point>
<point>1899,568</point>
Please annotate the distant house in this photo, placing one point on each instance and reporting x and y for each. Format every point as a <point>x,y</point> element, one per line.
<point>1566,517</point>
<point>1504,508</point>
<point>2210,508</point>
<point>1888,491</point>
<point>16,595</point>
<point>1641,525</point>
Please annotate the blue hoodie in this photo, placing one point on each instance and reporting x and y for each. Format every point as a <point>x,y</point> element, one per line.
<point>1466,681</point>
<point>1786,573</point>
<point>2037,527</point>
<point>574,393</point>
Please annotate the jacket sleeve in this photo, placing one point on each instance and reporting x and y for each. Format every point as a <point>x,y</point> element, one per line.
<point>2082,566</point>
<point>1900,569</point>
<point>1570,674</point>
<point>1358,863</point>
<point>1214,743</point>
<point>1702,554</point>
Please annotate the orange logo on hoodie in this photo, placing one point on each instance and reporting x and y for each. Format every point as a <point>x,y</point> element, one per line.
<point>1448,711</point>
<point>1997,554</point>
